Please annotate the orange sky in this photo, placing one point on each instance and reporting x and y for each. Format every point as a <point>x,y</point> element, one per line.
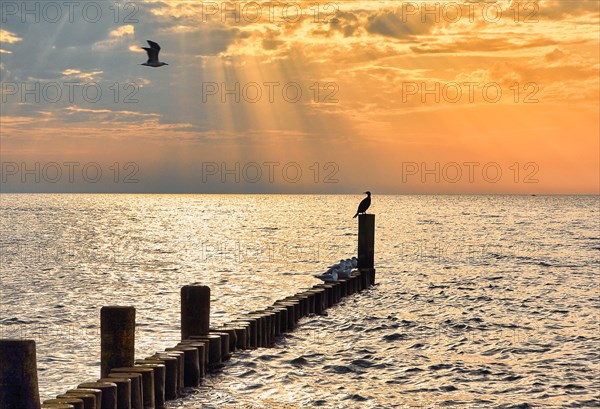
<point>408,98</point>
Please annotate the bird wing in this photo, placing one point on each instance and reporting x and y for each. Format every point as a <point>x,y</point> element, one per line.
<point>152,55</point>
<point>153,45</point>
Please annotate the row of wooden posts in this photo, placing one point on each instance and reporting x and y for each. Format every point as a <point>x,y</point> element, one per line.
<point>129,383</point>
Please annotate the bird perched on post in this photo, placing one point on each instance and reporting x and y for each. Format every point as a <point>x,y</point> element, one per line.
<point>153,55</point>
<point>364,205</point>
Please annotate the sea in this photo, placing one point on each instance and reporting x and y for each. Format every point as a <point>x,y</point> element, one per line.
<point>480,301</point>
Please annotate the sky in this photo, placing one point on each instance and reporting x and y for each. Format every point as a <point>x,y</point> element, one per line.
<point>393,97</point>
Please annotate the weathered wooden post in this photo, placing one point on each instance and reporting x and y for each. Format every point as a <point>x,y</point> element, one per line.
<point>343,287</point>
<point>195,310</point>
<point>180,356</point>
<point>355,281</point>
<point>297,307</point>
<point>117,338</point>
<point>97,393</point>
<point>320,300</point>
<point>280,319</point>
<point>88,399</point>
<point>290,306</point>
<point>202,346</point>
<point>78,402</point>
<point>328,294</point>
<point>123,391</point>
<point>231,339</point>
<point>75,403</point>
<point>264,321</point>
<point>159,382</point>
<point>147,383</point>
<point>242,331</point>
<point>251,326</point>
<point>191,365</point>
<point>214,343</point>
<point>258,324</point>
<point>18,375</point>
<point>171,373</point>
<point>109,393</point>
<point>137,400</point>
<point>366,248</point>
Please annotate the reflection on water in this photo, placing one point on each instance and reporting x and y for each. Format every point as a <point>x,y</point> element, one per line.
<point>483,301</point>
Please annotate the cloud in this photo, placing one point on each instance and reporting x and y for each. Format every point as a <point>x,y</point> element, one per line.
<point>367,48</point>
<point>123,31</point>
<point>116,37</point>
<point>554,55</point>
<point>87,76</point>
<point>8,37</point>
<point>560,9</point>
<point>271,39</point>
<point>345,22</point>
<point>475,44</point>
<point>394,23</point>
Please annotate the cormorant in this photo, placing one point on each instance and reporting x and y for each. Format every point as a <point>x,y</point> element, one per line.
<point>364,205</point>
<point>153,55</point>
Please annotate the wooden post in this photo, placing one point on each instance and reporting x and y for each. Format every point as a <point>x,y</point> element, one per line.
<point>18,375</point>
<point>75,403</point>
<point>225,351</point>
<point>89,399</point>
<point>320,300</point>
<point>291,313</point>
<point>280,319</point>
<point>259,323</point>
<point>191,365</point>
<point>159,382</point>
<point>203,346</point>
<point>252,330</point>
<point>97,393</point>
<point>327,302</point>
<point>123,391</point>
<point>109,393</point>
<point>214,349</point>
<point>180,356</point>
<point>364,279</point>
<point>232,336</point>
<point>137,400</point>
<point>241,334</point>
<point>117,338</point>
<point>283,318</point>
<point>171,373</point>
<point>147,383</point>
<point>355,280</point>
<point>297,307</point>
<point>195,310</point>
<point>366,241</point>
<point>343,287</point>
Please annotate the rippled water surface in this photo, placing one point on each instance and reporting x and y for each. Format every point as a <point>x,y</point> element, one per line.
<point>481,302</point>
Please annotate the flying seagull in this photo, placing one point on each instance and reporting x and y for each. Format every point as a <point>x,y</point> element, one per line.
<point>153,55</point>
<point>364,205</point>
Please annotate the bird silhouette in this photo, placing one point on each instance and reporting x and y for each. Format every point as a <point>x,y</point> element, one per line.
<point>364,205</point>
<point>153,55</point>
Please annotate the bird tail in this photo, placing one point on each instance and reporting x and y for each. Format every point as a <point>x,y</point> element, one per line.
<point>354,217</point>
